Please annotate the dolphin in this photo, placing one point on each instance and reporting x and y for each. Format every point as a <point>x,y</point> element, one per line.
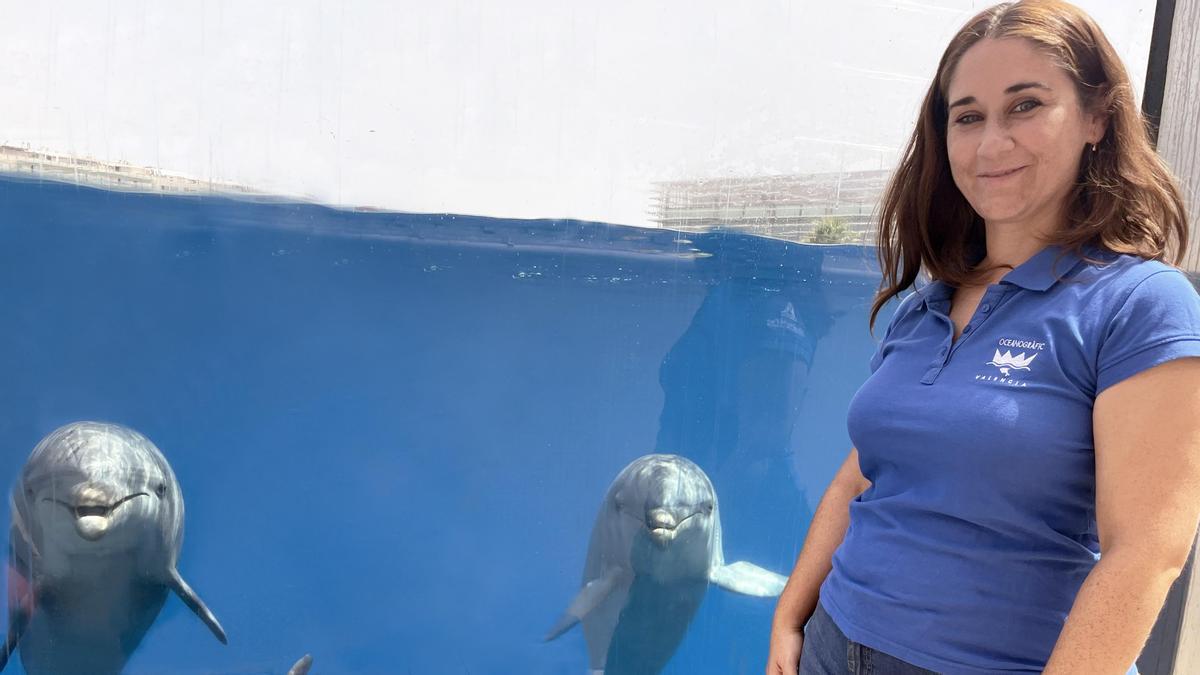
<point>97,522</point>
<point>655,547</point>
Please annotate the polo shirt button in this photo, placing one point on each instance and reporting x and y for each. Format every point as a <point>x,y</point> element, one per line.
<point>985,307</point>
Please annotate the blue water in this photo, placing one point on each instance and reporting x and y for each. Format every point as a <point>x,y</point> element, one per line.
<point>393,431</point>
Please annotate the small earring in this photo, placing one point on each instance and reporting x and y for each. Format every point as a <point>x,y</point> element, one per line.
<point>1093,148</point>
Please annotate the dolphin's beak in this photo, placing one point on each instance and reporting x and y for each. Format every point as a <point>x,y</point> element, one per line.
<point>661,525</point>
<point>92,527</point>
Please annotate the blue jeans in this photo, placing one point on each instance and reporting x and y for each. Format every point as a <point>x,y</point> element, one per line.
<point>827,651</point>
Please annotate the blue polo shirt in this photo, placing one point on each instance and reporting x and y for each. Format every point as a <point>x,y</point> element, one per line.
<point>967,551</point>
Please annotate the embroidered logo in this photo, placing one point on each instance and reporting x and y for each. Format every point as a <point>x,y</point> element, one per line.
<point>1010,364</point>
<point>1007,362</point>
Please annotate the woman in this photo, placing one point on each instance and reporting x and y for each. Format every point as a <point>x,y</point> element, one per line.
<point>1032,406</point>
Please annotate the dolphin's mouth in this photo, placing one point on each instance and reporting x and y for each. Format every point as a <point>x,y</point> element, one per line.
<point>93,509</point>
<point>663,527</point>
<point>92,519</point>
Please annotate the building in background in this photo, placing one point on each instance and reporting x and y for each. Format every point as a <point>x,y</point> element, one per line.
<point>40,165</point>
<point>819,207</point>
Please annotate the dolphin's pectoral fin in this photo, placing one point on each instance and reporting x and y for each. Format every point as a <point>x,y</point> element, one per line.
<point>565,623</point>
<point>18,619</point>
<point>592,594</point>
<point>194,603</point>
<point>20,607</point>
<point>747,579</point>
<point>302,666</point>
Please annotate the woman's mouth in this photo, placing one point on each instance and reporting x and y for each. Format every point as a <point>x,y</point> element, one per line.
<point>999,175</point>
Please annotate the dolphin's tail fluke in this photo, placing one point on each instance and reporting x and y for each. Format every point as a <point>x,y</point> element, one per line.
<point>302,666</point>
<point>194,603</point>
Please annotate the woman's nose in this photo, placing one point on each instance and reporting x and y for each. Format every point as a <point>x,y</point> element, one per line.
<point>996,140</point>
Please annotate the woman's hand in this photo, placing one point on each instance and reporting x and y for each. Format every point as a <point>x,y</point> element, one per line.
<point>786,644</point>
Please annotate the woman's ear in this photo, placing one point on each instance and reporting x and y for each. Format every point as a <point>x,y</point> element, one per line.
<point>1097,127</point>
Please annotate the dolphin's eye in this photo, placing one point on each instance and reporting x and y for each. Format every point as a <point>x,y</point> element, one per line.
<point>161,490</point>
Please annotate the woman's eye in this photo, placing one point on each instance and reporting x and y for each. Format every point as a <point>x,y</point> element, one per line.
<point>967,119</point>
<point>1026,106</point>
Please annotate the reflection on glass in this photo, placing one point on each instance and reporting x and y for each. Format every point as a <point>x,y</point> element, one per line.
<point>735,381</point>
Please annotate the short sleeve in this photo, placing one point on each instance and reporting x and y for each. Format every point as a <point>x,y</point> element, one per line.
<point>877,357</point>
<point>1158,322</point>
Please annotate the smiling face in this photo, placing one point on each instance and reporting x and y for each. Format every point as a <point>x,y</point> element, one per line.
<point>96,489</point>
<point>667,495</point>
<point>1016,133</point>
<point>97,510</point>
<point>666,510</point>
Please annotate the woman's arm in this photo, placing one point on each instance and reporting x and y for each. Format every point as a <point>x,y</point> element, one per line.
<point>1147,438</point>
<point>799,597</point>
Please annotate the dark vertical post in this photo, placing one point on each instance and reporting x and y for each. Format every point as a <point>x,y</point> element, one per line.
<point>1156,67</point>
<point>1159,655</point>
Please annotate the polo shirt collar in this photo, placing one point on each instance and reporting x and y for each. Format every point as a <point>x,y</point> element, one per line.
<point>1039,273</point>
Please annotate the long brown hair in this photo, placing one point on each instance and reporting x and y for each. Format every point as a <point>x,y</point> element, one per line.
<point>1125,198</point>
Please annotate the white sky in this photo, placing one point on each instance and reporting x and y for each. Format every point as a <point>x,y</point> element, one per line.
<point>527,108</point>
